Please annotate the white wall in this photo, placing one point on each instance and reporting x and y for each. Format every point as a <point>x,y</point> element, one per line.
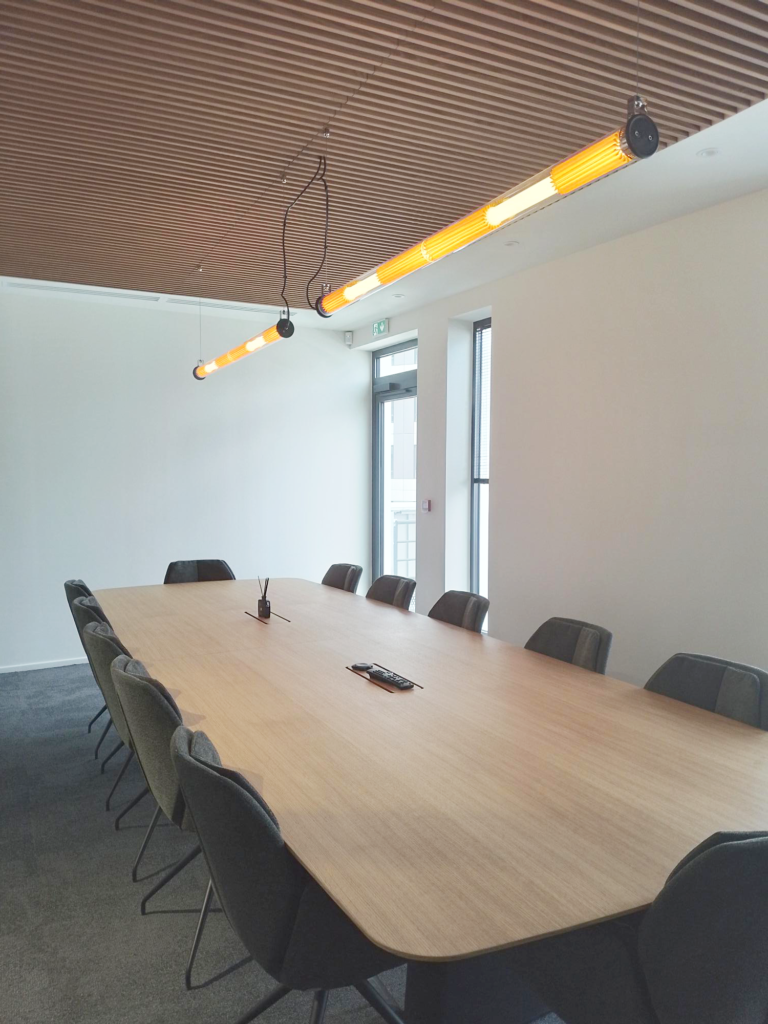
<point>628,441</point>
<point>628,480</point>
<point>114,460</point>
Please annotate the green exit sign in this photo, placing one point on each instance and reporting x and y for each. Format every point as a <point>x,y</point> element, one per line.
<point>380,327</point>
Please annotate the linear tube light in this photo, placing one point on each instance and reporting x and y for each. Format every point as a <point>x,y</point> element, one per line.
<point>252,345</point>
<point>638,139</point>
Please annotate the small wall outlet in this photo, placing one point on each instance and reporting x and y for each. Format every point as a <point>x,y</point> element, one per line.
<point>426,505</point>
<point>348,338</point>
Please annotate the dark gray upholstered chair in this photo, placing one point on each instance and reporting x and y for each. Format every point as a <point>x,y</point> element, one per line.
<point>697,956</point>
<point>74,589</point>
<point>725,687</point>
<point>460,608</point>
<point>578,643</point>
<point>287,922</point>
<point>395,590</point>
<point>88,612</point>
<point>103,646</point>
<point>85,610</point>
<point>343,576</point>
<point>152,718</point>
<point>200,570</point>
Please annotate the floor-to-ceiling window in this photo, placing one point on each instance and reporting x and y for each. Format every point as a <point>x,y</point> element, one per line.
<point>481,423</point>
<point>394,460</point>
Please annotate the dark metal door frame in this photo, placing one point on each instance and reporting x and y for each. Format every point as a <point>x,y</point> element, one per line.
<point>385,389</point>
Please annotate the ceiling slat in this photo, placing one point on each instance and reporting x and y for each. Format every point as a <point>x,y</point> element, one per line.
<point>143,139</point>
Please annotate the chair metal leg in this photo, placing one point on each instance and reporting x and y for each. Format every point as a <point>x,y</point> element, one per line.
<point>98,715</point>
<point>167,878</point>
<point>381,987</point>
<point>319,1005</point>
<point>126,762</point>
<point>368,992</point>
<point>198,934</point>
<point>109,756</point>
<point>107,727</point>
<point>145,842</point>
<point>261,1007</point>
<point>131,805</point>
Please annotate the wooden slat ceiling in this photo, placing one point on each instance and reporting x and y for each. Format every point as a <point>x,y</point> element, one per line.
<point>142,138</point>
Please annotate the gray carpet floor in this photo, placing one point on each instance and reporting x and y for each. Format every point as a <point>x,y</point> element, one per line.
<point>73,945</point>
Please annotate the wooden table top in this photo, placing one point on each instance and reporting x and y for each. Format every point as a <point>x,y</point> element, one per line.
<point>513,797</point>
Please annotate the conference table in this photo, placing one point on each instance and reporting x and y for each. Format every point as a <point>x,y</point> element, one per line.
<point>507,797</point>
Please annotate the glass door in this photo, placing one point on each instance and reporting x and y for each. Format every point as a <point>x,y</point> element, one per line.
<point>394,461</point>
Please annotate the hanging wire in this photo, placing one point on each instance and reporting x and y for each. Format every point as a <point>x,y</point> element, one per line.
<point>200,328</point>
<point>324,183</point>
<point>217,242</point>
<point>366,79</point>
<point>637,51</point>
<point>315,177</point>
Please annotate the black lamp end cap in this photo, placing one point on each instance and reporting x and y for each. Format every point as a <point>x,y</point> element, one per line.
<point>319,309</point>
<point>284,328</point>
<point>642,135</point>
<point>196,375</point>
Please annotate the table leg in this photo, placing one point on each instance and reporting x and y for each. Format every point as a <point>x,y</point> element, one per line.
<point>482,990</point>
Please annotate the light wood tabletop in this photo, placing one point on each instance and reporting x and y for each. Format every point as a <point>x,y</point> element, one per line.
<point>513,797</point>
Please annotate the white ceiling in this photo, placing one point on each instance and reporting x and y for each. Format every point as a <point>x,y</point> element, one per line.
<point>672,183</point>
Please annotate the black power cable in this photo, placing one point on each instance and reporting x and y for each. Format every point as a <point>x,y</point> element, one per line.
<point>324,183</point>
<point>319,175</point>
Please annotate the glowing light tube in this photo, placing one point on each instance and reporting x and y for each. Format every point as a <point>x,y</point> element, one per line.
<point>639,138</point>
<point>252,345</point>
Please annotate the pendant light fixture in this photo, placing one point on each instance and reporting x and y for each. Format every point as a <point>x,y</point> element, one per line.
<point>636,140</point>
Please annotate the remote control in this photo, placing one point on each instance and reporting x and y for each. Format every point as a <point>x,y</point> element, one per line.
<point>383,675</point>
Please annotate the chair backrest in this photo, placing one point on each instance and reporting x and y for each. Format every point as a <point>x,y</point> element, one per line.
<point>199,570</point>
<point>395,590</point>
<point>343,576</point>
<point>74,589</point>
<point>102,647</point>
<point>153,717</point>
<point>703,944</point>
<point>579,643</point>
<point>725,687</point>
<point>257,880</point>
<point>85,610</point>
<point>460,608</point>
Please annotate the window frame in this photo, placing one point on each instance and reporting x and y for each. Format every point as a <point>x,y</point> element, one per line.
<point>393,386</point>
<point>475,481</point>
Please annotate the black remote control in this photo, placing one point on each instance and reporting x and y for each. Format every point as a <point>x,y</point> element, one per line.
<point>383,675</point>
